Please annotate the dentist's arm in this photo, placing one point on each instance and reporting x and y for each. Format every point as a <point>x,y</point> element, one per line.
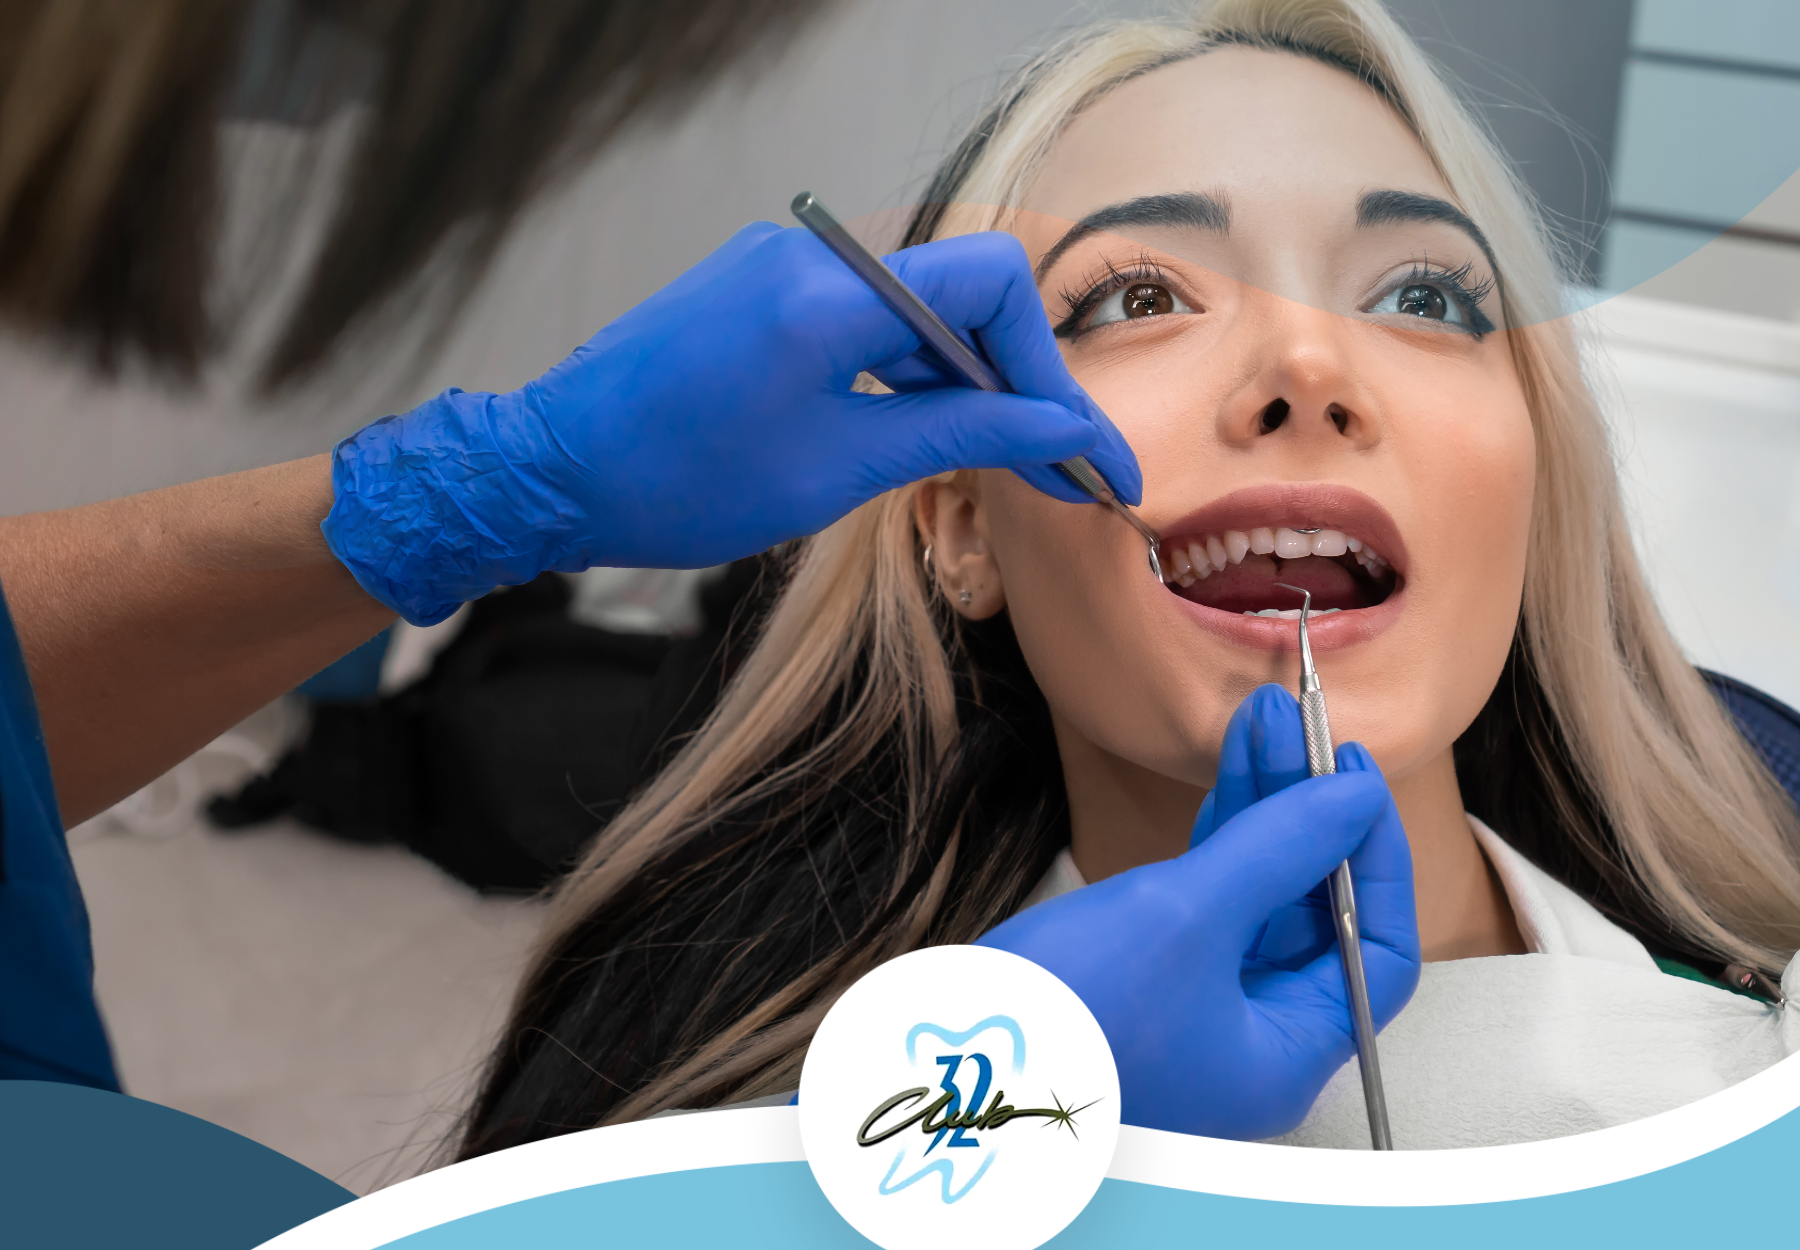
<point>151,624</point>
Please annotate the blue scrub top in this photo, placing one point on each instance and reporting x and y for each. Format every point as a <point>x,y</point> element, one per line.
<point>50,1026</point>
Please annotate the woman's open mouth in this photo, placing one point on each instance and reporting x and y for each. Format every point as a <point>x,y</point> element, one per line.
<point>1227,560</point>
<point>1242,571</point>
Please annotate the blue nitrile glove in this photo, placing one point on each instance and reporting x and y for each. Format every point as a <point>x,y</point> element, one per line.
<point>1212,1035</point>
<point>712,421</point>
<point>1264,752</point>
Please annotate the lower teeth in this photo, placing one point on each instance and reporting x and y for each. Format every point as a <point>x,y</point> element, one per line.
<point>1292,614</point>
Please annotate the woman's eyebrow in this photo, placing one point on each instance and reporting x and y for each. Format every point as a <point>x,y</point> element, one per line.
<point>1194,209</point>
<point>1382,208</point>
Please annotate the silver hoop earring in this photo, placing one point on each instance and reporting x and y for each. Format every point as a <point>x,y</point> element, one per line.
<point>927,560</point>
<point>964,597</point>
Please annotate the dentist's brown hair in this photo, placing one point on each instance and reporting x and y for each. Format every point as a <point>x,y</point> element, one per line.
<point>1601,753</point>
<point>462,111</point>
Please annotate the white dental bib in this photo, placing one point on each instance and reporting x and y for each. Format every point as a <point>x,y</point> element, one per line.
<point>1583,1033</point>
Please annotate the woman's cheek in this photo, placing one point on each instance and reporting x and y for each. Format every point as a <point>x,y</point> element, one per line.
<point>1481,468</point>
<point>1477,475</point>
<point>1081,607</point>
<point>1152,399</point>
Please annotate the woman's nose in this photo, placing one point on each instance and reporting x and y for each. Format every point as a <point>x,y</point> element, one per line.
<point>1301,386</point>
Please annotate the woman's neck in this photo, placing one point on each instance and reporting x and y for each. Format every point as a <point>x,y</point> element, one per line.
<point>1122,815</point>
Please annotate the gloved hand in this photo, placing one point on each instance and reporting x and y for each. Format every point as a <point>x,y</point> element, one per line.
<point>712,421</point>
<point>1264,752</point>
<point>1214,977</point>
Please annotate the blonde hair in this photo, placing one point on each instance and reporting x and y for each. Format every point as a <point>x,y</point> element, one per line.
<point>1661,812</point>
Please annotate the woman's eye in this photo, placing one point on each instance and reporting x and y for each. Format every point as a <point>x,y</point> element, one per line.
<point>1135,300</point>
<point>1423,299</point>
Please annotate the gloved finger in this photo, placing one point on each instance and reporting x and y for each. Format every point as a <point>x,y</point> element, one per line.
<point>913,436</point>
<point>1299,934</point>
<point>1262,739</point>
<point>1277,741</point>
<point>921,371</point>
<point>1295,936</point>
<point>1053,482</point>
<point>1381,869</point>
<point>1110,454</point>
<point>1273,853</point>
<point>1391,979</point>
<point>1032,459</point>
<point>983,282</point>
<point>924,370</point>
<point>1207,821</point>
<point>722,258</point>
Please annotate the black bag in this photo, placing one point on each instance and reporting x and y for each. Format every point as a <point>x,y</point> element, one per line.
<point>499,765</point>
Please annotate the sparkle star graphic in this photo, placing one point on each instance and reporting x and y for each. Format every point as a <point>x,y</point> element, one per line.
<point>1064,1115</point>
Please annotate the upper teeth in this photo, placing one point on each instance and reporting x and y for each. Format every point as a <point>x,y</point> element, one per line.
<point>1200,558</point>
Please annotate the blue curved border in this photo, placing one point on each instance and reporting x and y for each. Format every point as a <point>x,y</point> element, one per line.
<point>86,1169</point>
<point>1733,1195</point>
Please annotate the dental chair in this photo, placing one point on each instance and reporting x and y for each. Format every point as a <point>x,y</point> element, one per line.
<point>1771,725</point>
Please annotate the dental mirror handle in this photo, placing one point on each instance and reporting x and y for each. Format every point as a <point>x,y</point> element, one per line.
<point>949,347</point>
<point>1321,759</point>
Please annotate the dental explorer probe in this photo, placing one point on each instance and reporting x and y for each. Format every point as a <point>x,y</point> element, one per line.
<point>1321,759</point>
<point>961,359</point>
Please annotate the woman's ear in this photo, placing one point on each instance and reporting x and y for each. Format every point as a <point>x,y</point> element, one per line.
<point>950,518</point>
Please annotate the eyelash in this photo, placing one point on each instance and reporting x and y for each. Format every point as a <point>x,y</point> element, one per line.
<point>1099,286</point>
<point>1457,283</point>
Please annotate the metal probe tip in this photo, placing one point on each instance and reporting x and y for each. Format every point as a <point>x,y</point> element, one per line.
<point>1306,660</point>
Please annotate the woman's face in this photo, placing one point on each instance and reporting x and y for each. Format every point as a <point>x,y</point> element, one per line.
<point>1256,271</point>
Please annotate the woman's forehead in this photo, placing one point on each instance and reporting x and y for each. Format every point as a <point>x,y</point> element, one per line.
<point>1271,132</point>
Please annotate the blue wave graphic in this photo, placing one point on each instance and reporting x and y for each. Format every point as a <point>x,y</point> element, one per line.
<point>779,1206</point>
<point>957,1039</point>
<point>942,1168</point>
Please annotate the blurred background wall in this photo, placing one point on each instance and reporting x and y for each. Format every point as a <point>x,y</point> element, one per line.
<point>861,108</point>
<point>859,111</point>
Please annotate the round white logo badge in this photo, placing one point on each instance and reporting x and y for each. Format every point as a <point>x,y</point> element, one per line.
<point>959,1092</point>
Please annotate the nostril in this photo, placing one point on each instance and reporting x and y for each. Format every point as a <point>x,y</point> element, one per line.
<point>1274,415</point>
<point>1339,417</point>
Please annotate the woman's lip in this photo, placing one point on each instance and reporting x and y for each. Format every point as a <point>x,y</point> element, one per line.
<point>1297,504</point>
<point>1332,632</point>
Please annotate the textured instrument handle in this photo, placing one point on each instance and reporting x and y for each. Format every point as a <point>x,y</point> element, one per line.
<point>1319,756</point>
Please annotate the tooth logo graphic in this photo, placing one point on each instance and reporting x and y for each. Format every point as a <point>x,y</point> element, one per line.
<point>947,1114</point>
<point>959,1092</point>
